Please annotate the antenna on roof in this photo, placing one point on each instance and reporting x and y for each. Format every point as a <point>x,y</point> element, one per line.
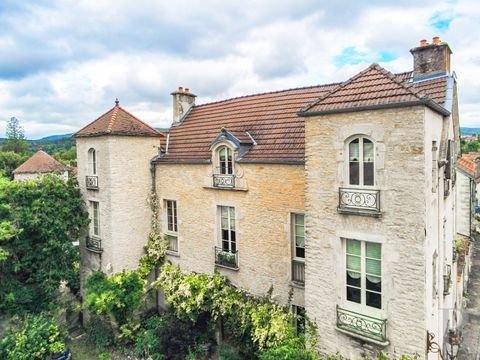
<point>116,102</point>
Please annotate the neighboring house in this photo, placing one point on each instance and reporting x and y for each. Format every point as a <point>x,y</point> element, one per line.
<point>38,165</point>
<point>339,194</point>
<point>468,176</point>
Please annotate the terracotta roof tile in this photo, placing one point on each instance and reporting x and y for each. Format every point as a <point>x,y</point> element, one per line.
<point>467,163</point>
<point>117,121</point>
<point>40,162</point>
<point>272,118</point>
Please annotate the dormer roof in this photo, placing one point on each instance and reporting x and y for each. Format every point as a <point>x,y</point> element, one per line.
<point>117,121</point>
<point>40,162</point>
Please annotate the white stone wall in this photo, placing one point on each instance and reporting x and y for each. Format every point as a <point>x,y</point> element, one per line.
<point>399,136</point>
<point>35,176</point>
<point>123,169</point>
<point>463,208</point>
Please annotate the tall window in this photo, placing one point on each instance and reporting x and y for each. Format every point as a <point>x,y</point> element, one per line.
<point>95,224</point>
<point>171,220</point>
<point>92,162</point>
<point>364,273</point>
<point>227,229</point>
<point>298,235</point>
<point>361,162</point>
<point>225,159</point>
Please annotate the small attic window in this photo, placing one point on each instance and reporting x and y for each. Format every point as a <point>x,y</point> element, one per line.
<point>225,160</point>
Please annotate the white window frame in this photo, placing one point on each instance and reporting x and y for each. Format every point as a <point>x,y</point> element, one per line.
<point>229,229</point>
<point>362,307</point>
<point>95,219</point>
<point>92,162</point>
<point>218,161</point>
<point>293,235</point>
<point>171,231</point>
<point>361,139</point>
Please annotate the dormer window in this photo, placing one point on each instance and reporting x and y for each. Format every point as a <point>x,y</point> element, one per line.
<point>361,167</point>
<point>225,160</point>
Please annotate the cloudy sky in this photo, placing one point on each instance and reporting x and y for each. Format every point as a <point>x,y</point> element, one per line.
<point>63,62</point>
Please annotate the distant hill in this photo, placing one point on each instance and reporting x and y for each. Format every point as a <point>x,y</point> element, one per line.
<point>55,137</point>
<point>469,131</point>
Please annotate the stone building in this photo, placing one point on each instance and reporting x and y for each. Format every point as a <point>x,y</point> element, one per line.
<point>38,165</point>
<point>340,194</point>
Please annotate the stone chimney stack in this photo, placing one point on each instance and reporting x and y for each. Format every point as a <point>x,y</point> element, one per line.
<point>431,59</point>
<point>477,167</point>
<point>183,101</point>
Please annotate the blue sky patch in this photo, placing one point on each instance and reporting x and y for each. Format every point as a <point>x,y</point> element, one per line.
<point>352,56</point>
<point>441,20</point>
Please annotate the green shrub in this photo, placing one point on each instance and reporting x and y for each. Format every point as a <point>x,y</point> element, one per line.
<point>292,349</point>
<point>36,337</point>
<point>228,352</point>
<point>166,336</point>
<point>99,332</point>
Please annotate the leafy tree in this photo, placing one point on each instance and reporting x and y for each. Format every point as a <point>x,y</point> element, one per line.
<point>34,338</point>
<point>9,161</point>
<point>15,137</point>
<point>47,216</point>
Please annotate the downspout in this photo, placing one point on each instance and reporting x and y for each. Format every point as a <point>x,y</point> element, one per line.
<point>153,174</point>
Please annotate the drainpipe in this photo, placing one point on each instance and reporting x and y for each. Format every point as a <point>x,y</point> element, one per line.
<point>153,174</point>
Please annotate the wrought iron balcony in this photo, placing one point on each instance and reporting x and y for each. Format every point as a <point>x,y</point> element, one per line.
<point>226,258</point>
<point>172,243</point>
<point>362,326</point>
<point>224,180</point>
<point>359,201</point>
<point>94,244</point>
<point>92,182</point>
<point>298,271</point>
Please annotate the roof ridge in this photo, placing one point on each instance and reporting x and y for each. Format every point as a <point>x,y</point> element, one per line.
<point>112,118</point>
<point>136,118</point>
<point>373,66</point>
<point>267,93</point>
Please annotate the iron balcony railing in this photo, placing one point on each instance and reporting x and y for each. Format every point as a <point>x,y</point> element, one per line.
<point>92,182</point>
<point>226,258</point>
<point>94,244</point>
<point>172,243</point>
<point>224,180</point>
<point>362,325</point>
<point>361,201</point>
<point>298,271</point>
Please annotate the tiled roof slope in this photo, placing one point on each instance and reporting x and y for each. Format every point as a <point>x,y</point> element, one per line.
<point>272,118</point>
<point>467,163</point>
<point>373,87</point>
<point>117,121</point>
<point>40,162</point>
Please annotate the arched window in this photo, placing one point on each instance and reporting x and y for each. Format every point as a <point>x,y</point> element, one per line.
<point>92,162</point>
<point>225,160</point>
<point>361,166</point>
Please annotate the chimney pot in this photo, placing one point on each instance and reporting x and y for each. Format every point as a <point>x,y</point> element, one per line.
<point>423,42</point>
<point>436,40</point>
<point>187,90</point>
<point>180,89</point>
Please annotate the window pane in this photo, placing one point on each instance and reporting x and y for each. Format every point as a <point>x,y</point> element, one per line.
<point>374,283</point>
<point>225,245</point>
<point>353,278</point>
<point>354,173</point>
<point>374,250</point>
<point>354,151</point>
<point>368,176</point>
<point>225,234</point>
<point>353,247</point>
<point>233,247</point>
<point>299,219</point>
<point>232,212</point>
<point>353,294</point>
<point>300,241</point>
<point>353,262</point>
<point>224,211</point>
<point>299,230</point>
<point>300,252</point>
<point>373,267</point>
<point>374,300</point>
<point>367,151</point>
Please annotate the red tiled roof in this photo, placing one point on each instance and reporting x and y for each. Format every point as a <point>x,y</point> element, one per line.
<point>40,162</point>
<point>467,163</point>
<point>270,118</point>
<point>117,121</point>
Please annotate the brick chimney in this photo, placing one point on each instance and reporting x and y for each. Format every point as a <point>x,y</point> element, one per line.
<point>183,100</point>
<point>431,59</point>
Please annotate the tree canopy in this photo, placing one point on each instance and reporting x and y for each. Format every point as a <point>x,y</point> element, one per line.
<point>15,138</point>
<point>39,221</point>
